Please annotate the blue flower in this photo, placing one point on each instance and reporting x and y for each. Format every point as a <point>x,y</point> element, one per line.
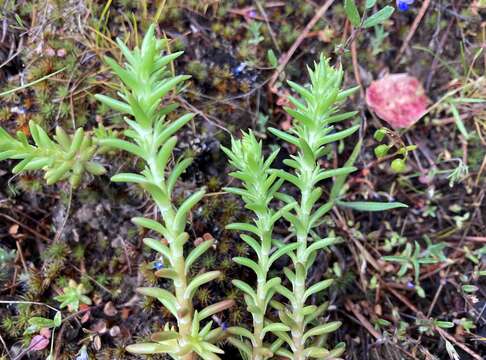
<point>158,265</point>
<point>238,70</point>
<point>224,326</point>
<point>404,5</point>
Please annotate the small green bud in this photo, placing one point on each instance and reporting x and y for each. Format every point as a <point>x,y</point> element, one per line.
<point>381,150</point>
<point>379,134</point>
<point>399,165</point>
<point>420,291</point>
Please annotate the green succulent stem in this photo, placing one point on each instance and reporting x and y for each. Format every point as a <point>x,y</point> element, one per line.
<point>176,246</point>
<point>299,285</point>
<point>259,184</point>
<point>151,137</point>
<point>259,318</point>
<point>312,133</point>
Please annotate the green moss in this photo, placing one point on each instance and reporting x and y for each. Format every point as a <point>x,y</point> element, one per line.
<point>198,70</point>
<point>56,251</point>
<point>203,296</point>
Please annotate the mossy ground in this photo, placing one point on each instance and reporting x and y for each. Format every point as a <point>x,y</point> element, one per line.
<point>226,44</point>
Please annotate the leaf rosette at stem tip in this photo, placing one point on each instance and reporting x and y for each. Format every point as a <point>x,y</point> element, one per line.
<point>152,138</point>
<point>62,157</point>
<point>313,134</point>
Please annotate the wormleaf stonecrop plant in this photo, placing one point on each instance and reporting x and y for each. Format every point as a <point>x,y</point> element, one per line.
<point>65,157</point>
<point>312,134</point>
<point>150,137</point>
<point>259,185</point>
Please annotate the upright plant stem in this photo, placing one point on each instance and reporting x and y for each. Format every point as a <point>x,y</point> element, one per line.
<point>176,246</point>
<point>259,184</point>
<point>299,285</point>
<point>259,318</point>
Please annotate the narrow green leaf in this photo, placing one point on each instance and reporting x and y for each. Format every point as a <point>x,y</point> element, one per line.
<point>379,17</point>
<point>458,120</point>
<point>338,135</point>
<point>241,346</point>
<point>122,145</point>
<point>150,348</point>
<point>282,251</point>
<point>284,136</point>
<point>370,3</point>
<point>371,206</point>
<point>95,168</point>
<point>150,224</point>
<point>166,151</point>
<point>244,227</point>
<point>186,206</point>
<point>341,179</point>
<point>165,297</point>
<point>198,281</point>
<point>114,104</point>
<point>196,253</point>
<point>322,329</point>
<point>252,243</point>
<point>176,172</point>
<point>54,175</point>
<point>326,174</point>
<point>287,293</point>
<point>316,352</point>
<point>215,309</point>
<point>173,127</point>
<point>237,330</point>
<point>272,59</point>
<point>243,286</point>
<point>129,178</point>
<point>250,264</point>
<point>319,244</point>
<point>275,327</point>
<point>352,12</point>
<point>318,287</point>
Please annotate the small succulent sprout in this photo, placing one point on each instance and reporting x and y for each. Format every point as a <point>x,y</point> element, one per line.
<point>63,157</point>
<point>73,295</point>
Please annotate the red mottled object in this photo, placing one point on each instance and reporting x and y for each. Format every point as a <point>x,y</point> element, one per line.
<point>38,343</point>
<point>398,99</point>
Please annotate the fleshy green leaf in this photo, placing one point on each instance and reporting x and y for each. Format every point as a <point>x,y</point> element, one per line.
<point>165,297</point>
<point>371,206</point>
<point>322,329</point>
<point>200,280</point>
<point>151,348</point>
<point>196,253</point>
